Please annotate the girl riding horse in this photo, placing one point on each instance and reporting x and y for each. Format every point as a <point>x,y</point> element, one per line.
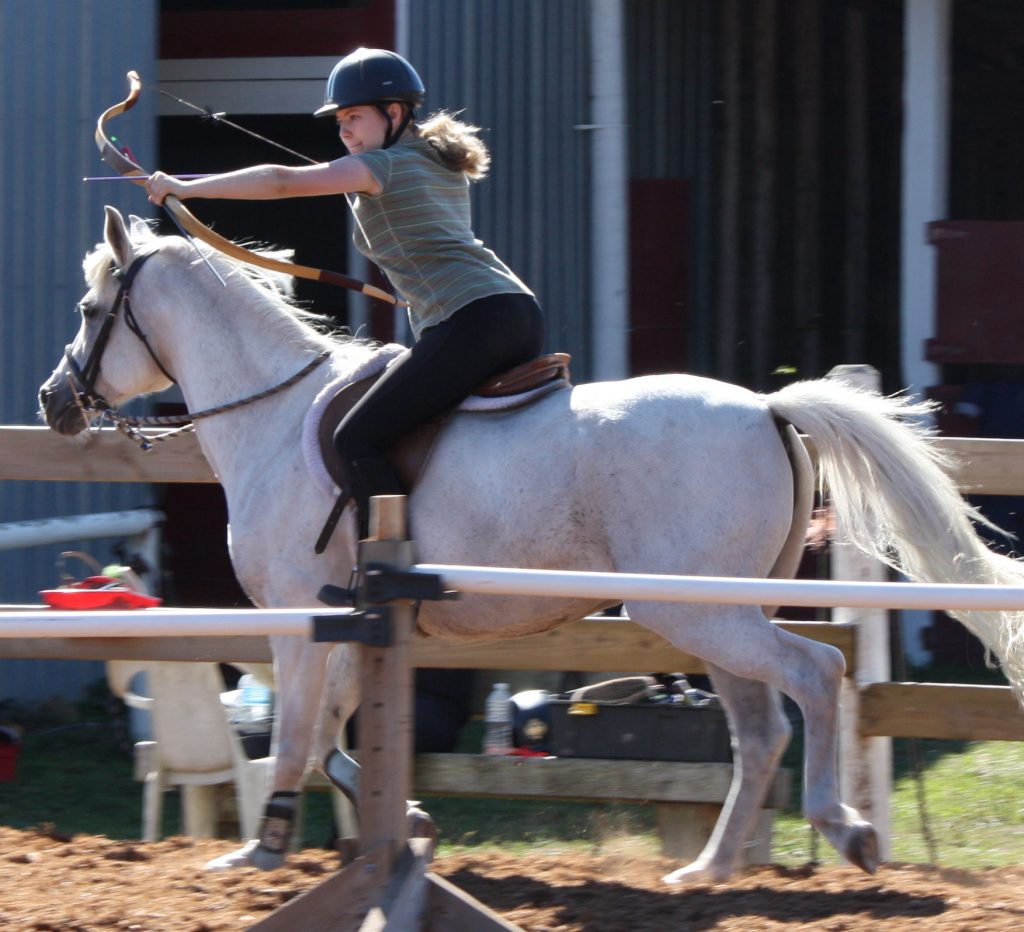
<point>471,316</point>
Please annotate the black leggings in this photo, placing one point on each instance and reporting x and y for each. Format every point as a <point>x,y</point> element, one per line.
<point>480,340</point>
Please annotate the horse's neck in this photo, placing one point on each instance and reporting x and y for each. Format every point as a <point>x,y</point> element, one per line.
<point>229,352</point>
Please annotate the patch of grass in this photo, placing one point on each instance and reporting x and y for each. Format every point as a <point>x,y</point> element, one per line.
<point>973,806</point>
<point>77,778</point>
<point>74,770</point>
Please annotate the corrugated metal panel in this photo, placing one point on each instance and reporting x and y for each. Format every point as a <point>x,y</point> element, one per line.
<point>62,63</point>
<point>670,62</point>
<point>518,68</point>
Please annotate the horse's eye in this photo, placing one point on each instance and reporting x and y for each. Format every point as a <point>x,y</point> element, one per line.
<point>87,309</point>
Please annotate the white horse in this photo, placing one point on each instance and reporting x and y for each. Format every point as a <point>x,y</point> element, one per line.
<point>664,474</point>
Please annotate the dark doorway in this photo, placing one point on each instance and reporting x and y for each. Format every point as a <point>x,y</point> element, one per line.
<point>315,227</point>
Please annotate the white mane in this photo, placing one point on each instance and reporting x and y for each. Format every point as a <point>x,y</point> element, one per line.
<point>273,295</point>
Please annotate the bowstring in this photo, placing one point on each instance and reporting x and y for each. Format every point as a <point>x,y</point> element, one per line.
<point>221,117</point>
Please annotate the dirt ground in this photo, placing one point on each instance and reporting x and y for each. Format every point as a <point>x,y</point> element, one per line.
<point>84,883</point>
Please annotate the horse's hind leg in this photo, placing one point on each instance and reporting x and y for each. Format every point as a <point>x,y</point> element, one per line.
<point>742,642</point>
<point>760,733</point>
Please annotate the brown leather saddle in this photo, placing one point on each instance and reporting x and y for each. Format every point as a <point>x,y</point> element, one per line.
<point>410,454</point>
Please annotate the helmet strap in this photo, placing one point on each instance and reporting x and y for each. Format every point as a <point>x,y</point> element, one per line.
<point>391,137</point>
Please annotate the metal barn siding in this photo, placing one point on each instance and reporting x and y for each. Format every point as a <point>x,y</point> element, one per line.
<point>671,61</point>
<point>518,68</point>
<point>808,128</point>
<point>62,63</point>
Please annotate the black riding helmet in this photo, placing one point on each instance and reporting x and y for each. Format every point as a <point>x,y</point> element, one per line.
<point>374,77</point>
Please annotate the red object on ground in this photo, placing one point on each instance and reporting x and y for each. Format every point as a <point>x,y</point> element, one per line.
<point>96,592</point>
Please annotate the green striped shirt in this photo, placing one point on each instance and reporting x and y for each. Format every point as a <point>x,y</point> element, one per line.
<point>418,230</point>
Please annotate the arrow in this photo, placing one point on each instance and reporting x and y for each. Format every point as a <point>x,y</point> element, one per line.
<point>135,177</point>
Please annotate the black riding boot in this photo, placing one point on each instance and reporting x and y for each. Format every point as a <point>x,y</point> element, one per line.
<point>371,477</point>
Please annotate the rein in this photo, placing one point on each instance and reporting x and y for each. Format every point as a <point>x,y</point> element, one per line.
<point>83,378</point>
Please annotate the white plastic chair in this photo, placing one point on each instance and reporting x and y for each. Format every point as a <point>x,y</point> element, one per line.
<point>194,747</point>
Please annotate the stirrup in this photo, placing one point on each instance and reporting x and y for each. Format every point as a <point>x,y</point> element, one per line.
<point>339,596</point>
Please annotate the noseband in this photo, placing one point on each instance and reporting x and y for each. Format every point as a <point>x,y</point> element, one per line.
<point>83,378</point>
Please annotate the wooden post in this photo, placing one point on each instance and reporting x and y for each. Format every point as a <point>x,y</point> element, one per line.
<point>387,887</point>
<point>385,714</point>
<point>865,763</point>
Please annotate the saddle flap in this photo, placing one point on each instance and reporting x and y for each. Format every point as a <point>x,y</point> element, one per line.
<point>409,455</point>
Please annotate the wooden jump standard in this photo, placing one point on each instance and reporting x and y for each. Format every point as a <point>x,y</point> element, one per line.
<point>388,886</point>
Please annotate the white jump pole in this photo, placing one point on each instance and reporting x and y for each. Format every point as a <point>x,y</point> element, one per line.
<point>488,580</point>
<point>725,590</point>
<point>160,622</point>
<point>77,527</point>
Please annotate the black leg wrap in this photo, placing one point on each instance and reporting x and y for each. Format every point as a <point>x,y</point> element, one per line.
<point>276,827</point>
<point>343,772</point>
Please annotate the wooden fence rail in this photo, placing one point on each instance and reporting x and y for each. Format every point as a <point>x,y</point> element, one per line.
<point>988,467</point>
<point>985,467</point>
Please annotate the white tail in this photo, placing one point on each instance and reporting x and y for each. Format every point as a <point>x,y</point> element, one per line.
<point>894,498</point>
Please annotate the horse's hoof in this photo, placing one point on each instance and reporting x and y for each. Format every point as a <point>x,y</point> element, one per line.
<point>862,847</point>
<point>420,825</point>
<point>265,859</point>
<point>694,873</point>
<point>240,858</point>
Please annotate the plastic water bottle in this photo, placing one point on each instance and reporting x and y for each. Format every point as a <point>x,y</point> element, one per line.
<point>256,699</point>
<point>498,720</point>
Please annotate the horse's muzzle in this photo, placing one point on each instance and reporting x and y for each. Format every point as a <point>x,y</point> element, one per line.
<point>58,406</point>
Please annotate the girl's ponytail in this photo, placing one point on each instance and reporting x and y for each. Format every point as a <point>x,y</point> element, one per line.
<point>457,144</point>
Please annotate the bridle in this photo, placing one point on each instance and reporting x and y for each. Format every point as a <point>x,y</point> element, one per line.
<point>83,378</point>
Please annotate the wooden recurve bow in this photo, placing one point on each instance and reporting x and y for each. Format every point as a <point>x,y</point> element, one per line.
<point>125,165</point>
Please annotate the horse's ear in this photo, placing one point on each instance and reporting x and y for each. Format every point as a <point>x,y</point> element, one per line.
<point>116,234</point>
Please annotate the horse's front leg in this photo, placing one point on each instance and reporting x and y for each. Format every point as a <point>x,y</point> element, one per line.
<point>760,733</point>
<point>300,671</point>
<point>341,697</point>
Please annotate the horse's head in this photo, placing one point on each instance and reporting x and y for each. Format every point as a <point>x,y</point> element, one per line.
<point>110,360</point>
